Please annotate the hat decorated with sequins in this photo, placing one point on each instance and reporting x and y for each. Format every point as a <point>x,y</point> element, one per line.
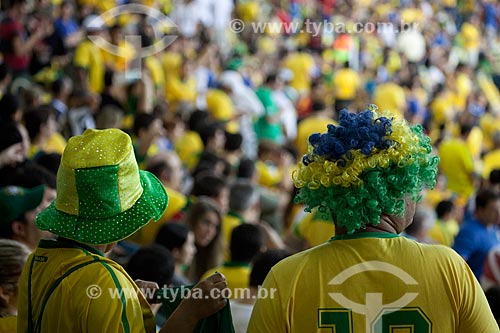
<point>102,196</point>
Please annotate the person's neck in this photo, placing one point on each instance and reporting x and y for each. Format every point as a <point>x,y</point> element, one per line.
<point>40,142</point>
<point>386,225</point>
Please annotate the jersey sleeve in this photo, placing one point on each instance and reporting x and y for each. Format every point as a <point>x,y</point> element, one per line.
<point>475,314</point>
<point>82,56</point>
<point>268,314</point>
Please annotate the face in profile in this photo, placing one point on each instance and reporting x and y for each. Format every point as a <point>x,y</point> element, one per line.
<point>30,233</point>
<point>188,250</point>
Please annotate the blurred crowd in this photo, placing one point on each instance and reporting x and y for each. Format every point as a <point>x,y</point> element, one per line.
<point>221,118</point>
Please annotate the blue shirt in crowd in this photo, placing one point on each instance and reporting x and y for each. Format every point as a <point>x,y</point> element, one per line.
<point>473,243</point>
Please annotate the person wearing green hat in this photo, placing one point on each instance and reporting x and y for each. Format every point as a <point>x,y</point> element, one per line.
<point>68,284</point>
<point>18,208</point>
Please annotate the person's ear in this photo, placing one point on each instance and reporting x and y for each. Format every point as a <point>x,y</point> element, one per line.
<point>5,295</point>
<point>19,229</point>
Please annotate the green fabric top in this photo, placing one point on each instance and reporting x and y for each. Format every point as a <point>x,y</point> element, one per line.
<point>220,322</point>
<point>365,235</point>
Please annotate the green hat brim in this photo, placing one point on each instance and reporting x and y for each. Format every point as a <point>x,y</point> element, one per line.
<point>150,206</point>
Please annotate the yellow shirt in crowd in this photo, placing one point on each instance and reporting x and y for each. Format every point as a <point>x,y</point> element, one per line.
<point>89,57</point>
<point>69,307</point>
<point>220,107</point>
<point>390,96</point>
<point>118,62</point>
<point>307,127</point>
<point>147,234</point>
<point>8,324</point>
<point>178,91</point>
<point>346,82</point>
<point>372,282</point>
<point>301,64</point>
<point>444,232</point>
<point>237,276</point>
<point>268,174</point>
<point>457,165</point>
<point>313,229</point>
<point>491,161</point>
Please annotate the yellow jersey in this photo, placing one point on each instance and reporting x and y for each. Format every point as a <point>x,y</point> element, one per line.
<point>314,230</point>
<point>89,57</point>
<point>491,161</point>
<point>189,149</point>
<point>237,276</point>
<point>372,282</point>
<point>346,82</point>
<point>457,165</point>
<point>70,287</point>
<point>307,127</point>
<point>220,107</point>
<point>444,232</point>
<point>8,324</point>
<point>301,64</point>
<point>390,96</point>
<point>147,234</point>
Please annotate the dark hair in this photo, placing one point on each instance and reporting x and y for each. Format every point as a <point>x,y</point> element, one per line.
<point>233,142</point>
<point>35,118</point>
<point>9,135</point>
<point>142,121</point>
<point>495,176</point>
<point>197,120</point>
<point>209,185</point>
<point>50,162</point>
<point>153,263</point>
<point>57,86</point>
<point>271,78</point>
<point>484,197</point>
<point>263,264</point>
<point>318,106</point>
<point>9,104</point>
<point>246,168</point>
<point>444,207</point>
<point>4,71</point>
<point>27,175</point>
<point>108,78</point>
<point>172,236</point>
<point>465,129</point>
<point>493,297</point>
<point>243,195</point>
<point>208,132</point>
<point>14,3</point>
<point>206,163</point>
<point>247,241</point>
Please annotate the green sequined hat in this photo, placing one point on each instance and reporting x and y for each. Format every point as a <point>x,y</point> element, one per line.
<point>102,196</point>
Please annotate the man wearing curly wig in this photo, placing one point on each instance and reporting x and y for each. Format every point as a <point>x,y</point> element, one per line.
<point>367,173</point>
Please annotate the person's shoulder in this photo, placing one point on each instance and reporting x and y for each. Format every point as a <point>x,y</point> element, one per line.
<point>438,252</point>
<point>298,261</point>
